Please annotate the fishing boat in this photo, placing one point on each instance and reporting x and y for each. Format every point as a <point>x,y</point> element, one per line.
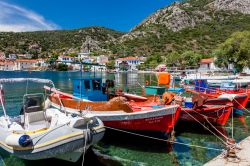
<point>41,132</point>
<point>118,112</point>
<point>204,110</point>
<point>239,97</point>
<point>215,111</point>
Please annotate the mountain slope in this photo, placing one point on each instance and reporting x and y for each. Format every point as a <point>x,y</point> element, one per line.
<point>191,25</point>
<point>57,41</point>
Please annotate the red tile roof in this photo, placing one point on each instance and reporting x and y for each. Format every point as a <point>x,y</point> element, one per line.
<point>66,57</point>
<point>127,58</point>
<point>6,63</point>
<point>27,60</point>
<point>206,61</point>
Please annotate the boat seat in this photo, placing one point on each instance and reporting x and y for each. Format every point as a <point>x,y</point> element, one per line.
<point>35,118</point>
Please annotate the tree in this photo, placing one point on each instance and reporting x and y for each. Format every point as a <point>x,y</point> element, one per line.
<point>72,55</point>
<point>62,67</point>
<point>235,50</point>
<point>190,58</point>
<point>52,61</point>
<point>173,59</point>
<point>111,65</point>
<point>154,60</point>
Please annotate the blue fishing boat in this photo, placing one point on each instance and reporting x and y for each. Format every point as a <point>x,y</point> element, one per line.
<point>92,89</point>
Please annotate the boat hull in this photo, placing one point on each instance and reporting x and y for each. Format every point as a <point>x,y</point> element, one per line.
<point>162,123</point>
<point>239,101</point>
<point>216,115</point>
<point>160,119</point>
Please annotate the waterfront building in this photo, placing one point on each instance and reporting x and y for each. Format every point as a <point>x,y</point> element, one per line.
<point>66,59</point>
<point>83,54</point>
<point>7,65</point>
<point>102,59</point>
<point>12,57</point>
<point>2,56</point>
<point>128,63</point>
<point>25,64</point>
<point>85,57</point>
<point>42,62</point>
<point>98,68</point>
<point>208,64</point>
<point>24,56</point>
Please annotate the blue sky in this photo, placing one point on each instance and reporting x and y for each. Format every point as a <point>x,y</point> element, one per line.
<point>30,15</point>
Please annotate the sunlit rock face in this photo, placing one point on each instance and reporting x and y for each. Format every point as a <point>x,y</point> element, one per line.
<point>14,18</point>
<point>242,6</point>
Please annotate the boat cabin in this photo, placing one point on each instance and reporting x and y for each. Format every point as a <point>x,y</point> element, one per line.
<point>201,85</point>
<point>92,89</point>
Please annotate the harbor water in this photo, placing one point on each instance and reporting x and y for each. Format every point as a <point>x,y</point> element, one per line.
<point>195,145</point>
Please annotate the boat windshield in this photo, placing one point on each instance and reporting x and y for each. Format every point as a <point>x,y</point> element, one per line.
<point>33,102</point>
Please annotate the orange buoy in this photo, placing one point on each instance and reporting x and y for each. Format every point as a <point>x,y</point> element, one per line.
<point>147,83</point>
<point>168,97</point>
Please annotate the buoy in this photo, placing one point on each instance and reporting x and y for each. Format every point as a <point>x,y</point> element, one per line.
<point>18,140</point>
<point>147,83</point>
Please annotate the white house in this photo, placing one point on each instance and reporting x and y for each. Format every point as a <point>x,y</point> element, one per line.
<point>24,56</point>
<point>98,68</point>
<point>12,57</point>
<point>102,59</point>
<point>2,56</point>
<point>66,59</point>
<point>7,65</point>
<point>42,62</point>
<point>25,64</point>
<point>208,64</point>
<point>83,55</point>
<point>130,62</point>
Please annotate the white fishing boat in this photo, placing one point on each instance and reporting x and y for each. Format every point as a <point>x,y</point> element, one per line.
<point>209,77</point>
<point>41,132</point>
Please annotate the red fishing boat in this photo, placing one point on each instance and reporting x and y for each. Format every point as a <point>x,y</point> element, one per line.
<point>150,115</point>
<point>239,100</point>
<point>215,111</point>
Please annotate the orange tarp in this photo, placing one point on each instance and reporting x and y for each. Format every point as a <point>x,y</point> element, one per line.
<point>163,78</point>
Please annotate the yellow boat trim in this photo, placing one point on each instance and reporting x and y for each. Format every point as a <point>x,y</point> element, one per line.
<point>43,144</point>
<point>31,132</point>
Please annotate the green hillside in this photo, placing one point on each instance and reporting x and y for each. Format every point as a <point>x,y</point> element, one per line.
<point>54,41</point>
<point>204,37</point>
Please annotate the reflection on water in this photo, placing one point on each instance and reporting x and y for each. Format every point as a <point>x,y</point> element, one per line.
<point>120,148</point>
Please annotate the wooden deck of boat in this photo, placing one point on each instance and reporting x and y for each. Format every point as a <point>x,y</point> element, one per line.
<point>243,157</point>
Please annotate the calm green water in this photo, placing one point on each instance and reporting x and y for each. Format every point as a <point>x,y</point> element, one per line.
<point>119,148</point>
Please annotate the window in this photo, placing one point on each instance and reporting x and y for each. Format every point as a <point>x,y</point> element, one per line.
<point>87,84</point>
<point>96,84</point>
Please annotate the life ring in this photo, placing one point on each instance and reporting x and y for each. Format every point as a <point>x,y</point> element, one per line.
<point>168,97</point>
<point>147,83</point>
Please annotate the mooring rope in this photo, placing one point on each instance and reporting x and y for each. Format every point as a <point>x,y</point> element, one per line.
<point>244,108</point>
<point>205,127</point>
<point>164,140</point>
<point>206,118</point>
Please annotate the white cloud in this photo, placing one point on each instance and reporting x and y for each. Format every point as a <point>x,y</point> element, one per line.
<point>14,18</point>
